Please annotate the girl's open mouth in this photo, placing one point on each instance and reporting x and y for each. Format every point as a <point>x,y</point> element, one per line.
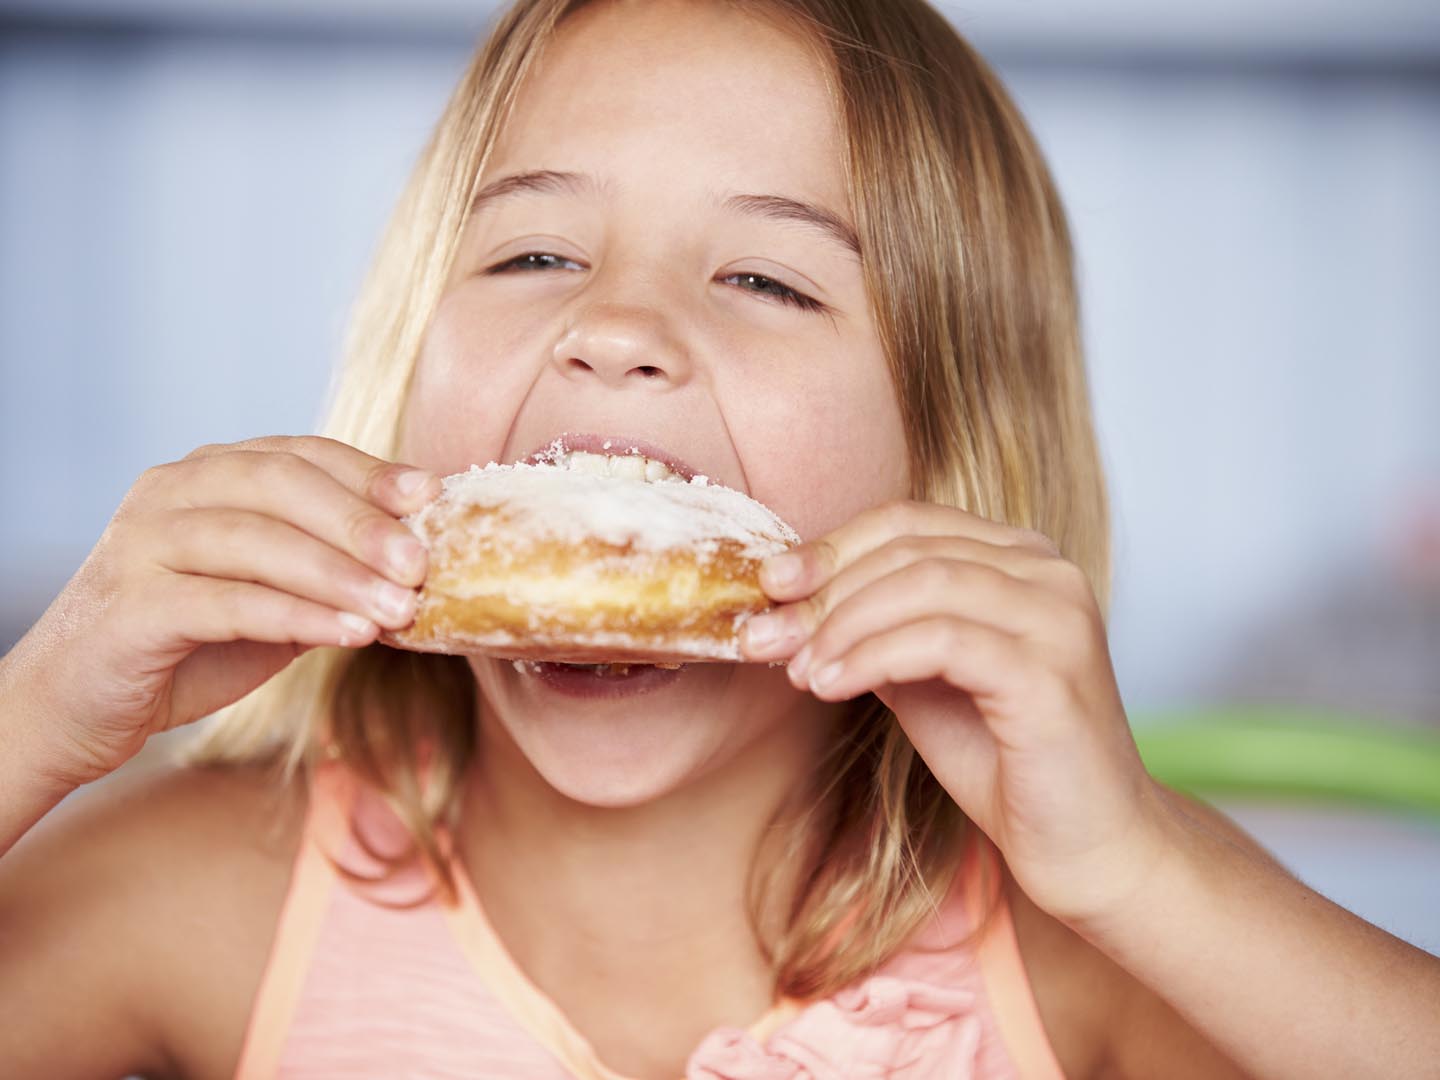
<point>605,671</point>
<point>599,680</point>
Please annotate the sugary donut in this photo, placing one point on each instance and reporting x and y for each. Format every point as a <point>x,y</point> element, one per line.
<point>567,562</point>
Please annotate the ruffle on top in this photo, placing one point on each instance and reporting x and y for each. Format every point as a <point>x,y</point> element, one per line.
<point>884,1026</point>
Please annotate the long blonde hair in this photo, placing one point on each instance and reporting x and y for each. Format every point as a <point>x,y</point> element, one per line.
<point>969,267</point>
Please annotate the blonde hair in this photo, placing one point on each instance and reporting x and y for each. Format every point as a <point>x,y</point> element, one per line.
<point>969,266</point>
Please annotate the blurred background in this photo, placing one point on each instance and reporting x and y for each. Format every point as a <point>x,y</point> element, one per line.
<point>189,193</point>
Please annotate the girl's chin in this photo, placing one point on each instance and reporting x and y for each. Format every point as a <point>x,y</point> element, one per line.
<point>614,761</point>
<point>625,738</point>
<point>611,738</point>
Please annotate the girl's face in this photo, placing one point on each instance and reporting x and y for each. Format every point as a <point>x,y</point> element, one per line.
<point>696,175</point>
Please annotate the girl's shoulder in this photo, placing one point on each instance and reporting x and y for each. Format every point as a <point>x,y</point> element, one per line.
<point>136,920</point>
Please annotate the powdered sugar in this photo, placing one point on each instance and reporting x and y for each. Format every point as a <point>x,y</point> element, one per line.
<point>548,500</point>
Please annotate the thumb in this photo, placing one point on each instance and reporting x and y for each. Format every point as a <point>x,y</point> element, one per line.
<point>217,675</point>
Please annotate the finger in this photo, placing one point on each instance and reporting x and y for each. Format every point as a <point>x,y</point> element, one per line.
<point>981,660</point>
<point>785,628</point>
<point>205,610</point>
<point>246,546</point>
<point>295,490</point>
<point>974,591</point>
<point>396,487</point>
<point>807,567</point>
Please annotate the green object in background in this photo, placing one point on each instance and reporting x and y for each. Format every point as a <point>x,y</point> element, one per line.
<point>1275,750</point>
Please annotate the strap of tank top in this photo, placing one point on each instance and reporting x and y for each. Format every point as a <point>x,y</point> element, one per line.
<point>1007,984</point>
<point>312,882</point>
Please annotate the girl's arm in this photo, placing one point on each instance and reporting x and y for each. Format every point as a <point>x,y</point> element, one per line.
<point>28,788</point>
<point>1272,973</point>
<point>120,936</point>
<point>214,573</point>
<point>991,650</point>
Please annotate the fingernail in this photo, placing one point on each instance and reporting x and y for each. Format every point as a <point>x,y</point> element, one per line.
<point>798,662</point>
<point>404,554</point>
<point>782,570</point>
<point>411,481</point>
<point>391,601</point>
<point>826,676</point>
<point>762,630</point>
<point>355,627</point>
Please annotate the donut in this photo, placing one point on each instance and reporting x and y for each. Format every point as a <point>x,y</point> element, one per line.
<point>589,559</point>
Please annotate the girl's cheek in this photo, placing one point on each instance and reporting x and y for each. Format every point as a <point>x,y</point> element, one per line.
<point>462,398</point>
<point>823,449</point>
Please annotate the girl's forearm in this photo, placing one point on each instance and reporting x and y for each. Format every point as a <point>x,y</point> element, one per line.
<point>28,788</point>
<point>1283,981</point>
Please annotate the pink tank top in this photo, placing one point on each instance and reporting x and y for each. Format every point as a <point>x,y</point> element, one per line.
<point>357,986</point>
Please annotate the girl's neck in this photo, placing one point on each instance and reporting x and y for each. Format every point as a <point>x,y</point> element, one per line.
<point>627,904</point>
<point>696,842</point>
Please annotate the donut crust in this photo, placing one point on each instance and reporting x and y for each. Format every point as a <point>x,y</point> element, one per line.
<point>504,582</point>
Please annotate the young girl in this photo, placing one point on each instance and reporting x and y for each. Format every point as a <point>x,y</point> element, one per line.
<point>809,248</point>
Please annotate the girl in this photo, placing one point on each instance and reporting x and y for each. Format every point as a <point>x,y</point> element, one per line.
<point>808,247</point>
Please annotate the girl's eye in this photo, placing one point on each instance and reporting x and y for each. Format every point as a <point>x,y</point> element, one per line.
<point>522,262</point>
<point>757,283</point>
<point>783,293</point>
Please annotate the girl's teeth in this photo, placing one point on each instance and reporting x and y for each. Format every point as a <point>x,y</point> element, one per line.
<point>626,466</point>
<point>580,461</point>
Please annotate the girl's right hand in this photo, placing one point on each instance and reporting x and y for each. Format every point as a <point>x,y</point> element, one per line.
<point>215,572</point>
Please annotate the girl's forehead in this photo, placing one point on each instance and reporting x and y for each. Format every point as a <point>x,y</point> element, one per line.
<point>679,90</point>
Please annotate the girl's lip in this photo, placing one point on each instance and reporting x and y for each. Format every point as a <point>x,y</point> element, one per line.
<point>580,683</point>
<point>609,444</point>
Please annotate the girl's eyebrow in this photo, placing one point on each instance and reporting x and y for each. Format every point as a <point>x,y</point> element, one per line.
<point>775,207</point>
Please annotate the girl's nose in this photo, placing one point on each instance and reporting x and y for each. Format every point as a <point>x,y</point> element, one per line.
<point>622,344</point>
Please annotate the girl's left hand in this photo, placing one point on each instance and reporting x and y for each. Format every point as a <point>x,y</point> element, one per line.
<point>990,649</point>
